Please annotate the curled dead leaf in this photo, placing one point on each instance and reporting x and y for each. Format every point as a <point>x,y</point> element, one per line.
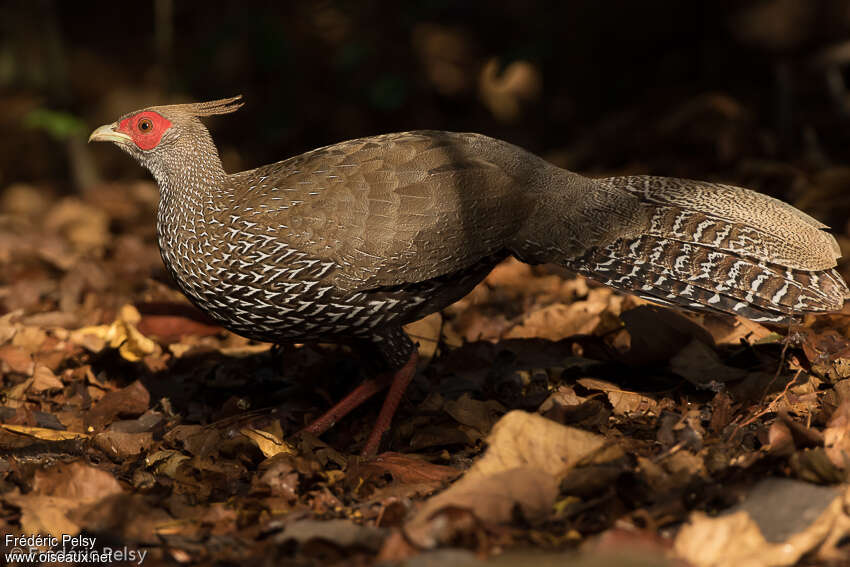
<point>622,401</point>
<point>130,401</point>
<point>526,458</point>
<point>836,437</point>
<point>121,334</point>
<point>59,492</point>
<point>426,332</point>
<point>271,442</point>
<point>405,469</point>
<point>779,522</point>
<point>121,445</point>
<point>44,379</point>
<point>44,433</point>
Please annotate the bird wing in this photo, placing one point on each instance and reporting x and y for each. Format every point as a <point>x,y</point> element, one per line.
<point>389,210</point>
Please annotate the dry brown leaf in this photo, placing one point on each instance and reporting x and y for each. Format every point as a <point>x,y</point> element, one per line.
<point>120,445</point>
<point>405,469</point>
<point>730,330</point>
<point>341,533</point>
<point>30,338</point>
<point>9,325</point>
<point>281,477</point>
<point>492,498</point>
<point>700,365</point>
<point>16,359</point>
<point>426,332</point>
<point>15,396</point>
<point>170,328</point>
<point>559,321</point>
<point>516,279</point>
<point>44,379</point>
<point>836,437</point>
<point>623,402</point>
<point>781,521</point>
<point>166,462</point>
<point>43,433</point>
<point>564,396</point>
<point>131,401</point>
<point>121,334</point>
<point>270,443</point>
<point>657,333</point>
<point>521,469</point>
<point>58,492</point>
<point>829,354</point>
<point>474,413</point>
<point>86,226</point>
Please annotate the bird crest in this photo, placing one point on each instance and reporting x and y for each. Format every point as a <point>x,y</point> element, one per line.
<point>210,108</point>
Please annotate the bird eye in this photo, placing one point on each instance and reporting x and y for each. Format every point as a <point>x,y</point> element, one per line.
<point>145,125</point>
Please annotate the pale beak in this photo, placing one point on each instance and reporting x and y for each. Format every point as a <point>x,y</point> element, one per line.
<point>107,133</point>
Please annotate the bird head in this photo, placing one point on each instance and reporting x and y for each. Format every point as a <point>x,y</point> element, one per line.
<point>152,133</point>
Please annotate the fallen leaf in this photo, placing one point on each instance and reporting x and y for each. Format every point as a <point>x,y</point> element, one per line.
<point>426,332</point>
<point>405,469</point>
<point>120,445</point>
<point>524,462</point>
<point>836,437</point>
<point>9,325</point>
<point>474,413</point>
<point>281,477</point>
<point>623,402</point>
<point>43,433</point>
<point>121,334</point>
<point>271,443</point>
<point>731,330</point>
<point>559,321</point>
<point>15,396</point>
<point>657,334</point>
<point>828,353</point>
<point>16,359</point>
<point>130,401</point>
<point>166,462</point>
<point>341,533</point>
<point>44,379</point>
<point>778,523</point>
<point>171,328</point>
<point>700,365</point>
<point>57,493</point>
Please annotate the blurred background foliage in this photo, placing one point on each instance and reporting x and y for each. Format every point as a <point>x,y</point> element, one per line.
<point>748,91</point>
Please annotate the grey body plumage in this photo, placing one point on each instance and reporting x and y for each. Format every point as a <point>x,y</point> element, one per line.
<point>351,241</point>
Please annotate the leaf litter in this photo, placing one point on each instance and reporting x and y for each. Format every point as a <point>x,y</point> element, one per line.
<point>550,418</point>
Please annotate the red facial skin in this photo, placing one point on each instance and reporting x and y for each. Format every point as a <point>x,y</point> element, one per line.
<point>145,139</point>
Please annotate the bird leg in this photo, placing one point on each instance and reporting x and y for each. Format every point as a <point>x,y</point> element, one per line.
<point>398,382</point>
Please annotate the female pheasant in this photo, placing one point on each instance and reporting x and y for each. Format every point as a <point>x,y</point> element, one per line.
<point>349,242</point>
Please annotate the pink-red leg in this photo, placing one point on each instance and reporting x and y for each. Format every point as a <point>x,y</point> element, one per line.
<point>360,394</point>
<point>400,381</point>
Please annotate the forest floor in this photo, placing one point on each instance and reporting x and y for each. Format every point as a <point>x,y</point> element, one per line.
<point>551,420</point>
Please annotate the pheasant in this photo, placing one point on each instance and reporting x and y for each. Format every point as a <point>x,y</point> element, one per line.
<point>349,242</point>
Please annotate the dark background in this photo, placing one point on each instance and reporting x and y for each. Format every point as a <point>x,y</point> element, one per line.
<point>747,92</point>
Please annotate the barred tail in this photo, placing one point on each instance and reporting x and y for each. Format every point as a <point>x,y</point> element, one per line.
<point>698,277</point>
<point>719,248</point>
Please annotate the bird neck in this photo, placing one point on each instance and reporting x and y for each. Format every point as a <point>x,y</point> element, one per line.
<point>191,179</point>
